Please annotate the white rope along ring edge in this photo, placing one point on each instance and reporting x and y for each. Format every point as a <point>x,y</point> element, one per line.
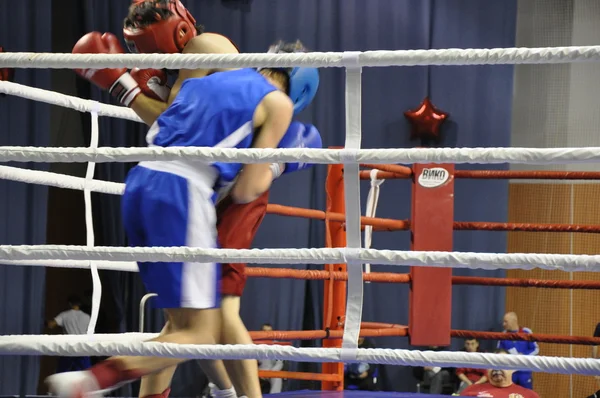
<point>34,345</point>
<point>569,262</point>
<point>305,155</point>
<point>494,56</point>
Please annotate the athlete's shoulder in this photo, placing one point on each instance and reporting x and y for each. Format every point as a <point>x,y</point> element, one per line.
<point>210,43</point>
<point>526,330</point>
<point>277,104</point>
<point>277,100</point>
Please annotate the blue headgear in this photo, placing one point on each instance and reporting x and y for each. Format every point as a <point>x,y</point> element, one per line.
<point>304,82</point>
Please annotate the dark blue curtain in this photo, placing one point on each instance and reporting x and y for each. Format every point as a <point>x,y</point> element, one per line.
<point>477,98</point>
<point>24,26</point>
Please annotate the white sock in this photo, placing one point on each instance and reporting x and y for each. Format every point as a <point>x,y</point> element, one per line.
<point>243,396</point>
<point>228,393</point>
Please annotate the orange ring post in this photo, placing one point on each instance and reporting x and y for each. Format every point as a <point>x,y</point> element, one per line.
<point>430,299</point>
<point>335,290</point>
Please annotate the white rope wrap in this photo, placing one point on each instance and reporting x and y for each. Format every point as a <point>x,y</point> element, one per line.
<point>488,261</point>
<point>127,266</point>
<point>306,155</point>
<point>322,156</point>
<point>121,258</point>
<point>371,211</point>
<point>89,223</point>
<point>67,101</point>
<point>132,344</point>
<point>60,180</point>
<point>24,255</point>
<point>497,56</point>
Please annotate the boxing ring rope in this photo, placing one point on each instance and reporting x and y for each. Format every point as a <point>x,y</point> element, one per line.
<point>393,171</point>
<point>495,56</point>
<point>349,251</point>
<point>390,330</point>
<point>130,344</point>
<point>336,255</point>
<point>115,188</point>
<point>379,224</point>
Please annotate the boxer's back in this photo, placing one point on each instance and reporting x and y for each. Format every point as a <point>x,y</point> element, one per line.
<point>206,43</point>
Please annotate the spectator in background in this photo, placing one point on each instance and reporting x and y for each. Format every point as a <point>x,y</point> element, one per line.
<point>469,376</point>
<point>72,321</point>
<point>361,376</point>
<point>510,323</point>
<point>434,378</point>
<point>500,385</point>
<point>270,386</point>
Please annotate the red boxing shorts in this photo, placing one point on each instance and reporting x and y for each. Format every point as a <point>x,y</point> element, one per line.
<point>237,225</point>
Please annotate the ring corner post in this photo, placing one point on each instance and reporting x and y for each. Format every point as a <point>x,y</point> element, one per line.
<point>430,298</point>
<point>334,299</point>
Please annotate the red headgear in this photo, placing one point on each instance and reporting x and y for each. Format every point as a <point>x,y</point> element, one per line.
<point>167,35</point>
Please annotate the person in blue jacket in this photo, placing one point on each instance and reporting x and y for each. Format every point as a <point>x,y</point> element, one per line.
<point>510,323</point>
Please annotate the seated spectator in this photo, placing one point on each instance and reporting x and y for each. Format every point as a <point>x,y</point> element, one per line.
<point>499,385</point>
<point>361,376</point>
<point>510,322</point>
<point>434,378</point>
<point>469,376</point>
<point>270,386</point>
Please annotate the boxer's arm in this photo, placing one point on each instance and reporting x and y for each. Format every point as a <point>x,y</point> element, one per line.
<point>148,109</point>
<point>155,91</point>
<point>255,179</point>
<point>206,43</point>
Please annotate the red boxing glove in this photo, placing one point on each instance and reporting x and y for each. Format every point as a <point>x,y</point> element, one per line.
<point>118,82</point>
<point>6,74</point>
<point>152,82</point>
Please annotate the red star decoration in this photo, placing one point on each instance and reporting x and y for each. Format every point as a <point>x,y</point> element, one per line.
<point>426,121</point>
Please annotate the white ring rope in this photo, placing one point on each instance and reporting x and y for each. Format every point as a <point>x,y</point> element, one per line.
<point>89,224</point>
<point>99,257</point>
<point>488,261</point>
<point>440,155</point>
<point>130,344</point>
<point>60,180</point>
<point>456,259</point>
<point>497,56</point>
<point>126,266</point>
<point>316,156</point>
<point>67,101</point>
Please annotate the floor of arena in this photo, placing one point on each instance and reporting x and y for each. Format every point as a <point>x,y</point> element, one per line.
<point>355,394</point>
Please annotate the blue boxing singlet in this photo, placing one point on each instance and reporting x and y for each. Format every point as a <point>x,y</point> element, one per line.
<point>213,111</point>
<point>172,204</point>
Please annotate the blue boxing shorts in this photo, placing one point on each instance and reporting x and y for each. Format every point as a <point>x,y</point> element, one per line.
<point>169,204</point>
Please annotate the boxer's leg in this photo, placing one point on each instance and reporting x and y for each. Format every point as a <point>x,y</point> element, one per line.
<point>244,374</point>
<point>159,381</point>
<point>237,225</point>
<point>166,211</point>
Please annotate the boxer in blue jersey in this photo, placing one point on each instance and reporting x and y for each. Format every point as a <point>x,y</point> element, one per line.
<point>172,203</point>
<point>524,378</point>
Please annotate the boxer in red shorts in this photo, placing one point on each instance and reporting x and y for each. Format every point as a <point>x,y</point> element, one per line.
<point>236,226</point>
